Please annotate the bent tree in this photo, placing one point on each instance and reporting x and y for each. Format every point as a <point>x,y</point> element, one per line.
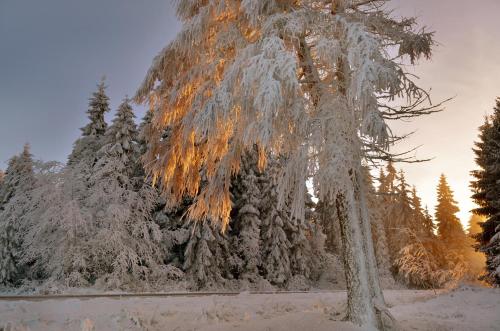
<point>312,81</point>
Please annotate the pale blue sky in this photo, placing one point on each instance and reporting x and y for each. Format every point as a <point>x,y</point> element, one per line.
<point>53,52</point>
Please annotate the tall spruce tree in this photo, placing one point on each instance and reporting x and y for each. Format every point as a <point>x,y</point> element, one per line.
<point>123,247</point>
<point>449,228</point>
<point>486,190</point>
<point>98,106</point>
<point>87,146</point>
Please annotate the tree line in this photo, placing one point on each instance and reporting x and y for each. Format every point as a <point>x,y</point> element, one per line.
<point>99,221</point>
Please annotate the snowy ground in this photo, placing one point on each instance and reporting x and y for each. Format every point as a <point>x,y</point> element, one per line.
<point>466,308</point>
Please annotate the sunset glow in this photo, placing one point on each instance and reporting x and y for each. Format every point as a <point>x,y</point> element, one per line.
<point>465,67</point>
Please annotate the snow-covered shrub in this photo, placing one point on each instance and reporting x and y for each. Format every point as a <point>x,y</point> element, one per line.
<point>428,264</point>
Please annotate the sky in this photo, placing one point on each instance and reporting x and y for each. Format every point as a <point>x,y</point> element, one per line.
<point>54,52</point>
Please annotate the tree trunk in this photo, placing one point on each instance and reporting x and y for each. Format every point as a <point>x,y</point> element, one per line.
<point>365,300</point>
<point>363,288</point>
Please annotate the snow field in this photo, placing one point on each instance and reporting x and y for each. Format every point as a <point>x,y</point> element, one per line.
<point>466,308</point>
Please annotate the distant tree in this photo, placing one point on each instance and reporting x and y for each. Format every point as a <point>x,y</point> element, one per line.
<point>486,191</point>
<point>474,225</point>
<point>449,228</point>
<point>422,221</point>
<point>387,180</point>
<point>86,146</point>
<point>375,208</point>
<point>326,212</point>
<point>98,106</point>
<point>2,175</point>
<point>399,216</point>
<point>429,225</point>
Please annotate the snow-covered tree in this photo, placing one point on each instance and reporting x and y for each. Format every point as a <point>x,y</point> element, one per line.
<point>449,227</point>
<point>19,176</point>
<point>422,221</point>
<point>308,80</point>
<point>246,219</point>
<point>429,261</point>
<point>378,226</point>
<point>96,227</point>
<point>207,255</point>
<point>400,219</point>
<point>325,211</point>
<point>98,106</point>
<point>9,249</point>
<point>426,263</point>
<point>486,190</point>
<point>429,225</point>
<point>86,146</point>
<point>15,196</point>
<point>276,245</point>
<point>122,241</point>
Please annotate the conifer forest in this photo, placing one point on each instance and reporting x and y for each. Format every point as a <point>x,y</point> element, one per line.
<point>264,175</point>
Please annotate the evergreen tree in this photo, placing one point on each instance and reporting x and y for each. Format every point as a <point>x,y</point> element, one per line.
<point>15,196</point>
<point>474,226</point>
<point>87,146</point>
<point>400,223</point>
<point>486,190</point>
<point>301,246</point>
<point>429,225</point>
<point>423,225</point>
<point>123,247</point>
<point>449,228</point>
<point>98,106</point>
<point>378,229</point>
<point>7,189</point>
<point>99,223</point>
<point>19,176</point>
<point>387,182</point>
<point>8,255</point>
<point>207,255</point>
<point>246,218</point>
<point>275,242</point>
<point>327,217</point>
